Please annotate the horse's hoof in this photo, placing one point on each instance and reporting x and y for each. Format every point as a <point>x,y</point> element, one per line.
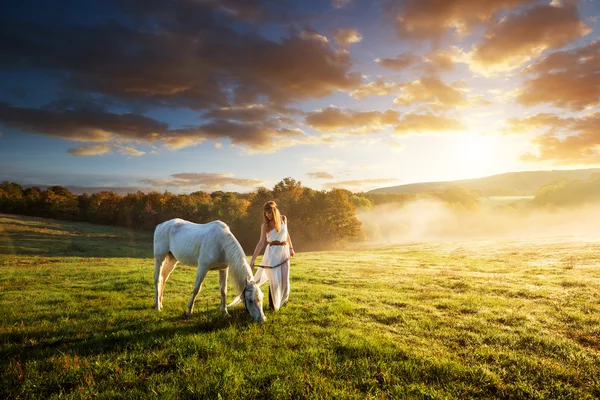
<point>187,314</point>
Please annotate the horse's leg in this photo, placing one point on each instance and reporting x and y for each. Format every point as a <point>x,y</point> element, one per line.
<point>223,285</point>
<point>158,281</point>
<point>200,274</point>
<point>168,266</point>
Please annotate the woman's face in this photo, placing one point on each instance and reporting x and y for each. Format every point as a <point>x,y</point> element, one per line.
<point>269,214</point>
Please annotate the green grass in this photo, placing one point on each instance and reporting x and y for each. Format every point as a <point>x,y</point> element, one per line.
<point>506,320</point>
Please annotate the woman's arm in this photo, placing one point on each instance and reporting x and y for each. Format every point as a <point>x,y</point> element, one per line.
<point>289,240</point>
<point>260,245</point>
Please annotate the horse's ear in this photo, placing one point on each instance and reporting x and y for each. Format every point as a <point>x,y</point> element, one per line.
<point>247,281</point>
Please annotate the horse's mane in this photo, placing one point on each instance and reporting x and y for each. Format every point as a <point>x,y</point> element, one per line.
<point>236,259</point>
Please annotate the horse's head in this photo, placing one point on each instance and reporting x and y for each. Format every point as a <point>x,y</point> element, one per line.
<point>252,298</point>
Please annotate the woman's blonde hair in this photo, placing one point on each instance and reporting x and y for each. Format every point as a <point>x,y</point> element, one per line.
<point>272,206</point>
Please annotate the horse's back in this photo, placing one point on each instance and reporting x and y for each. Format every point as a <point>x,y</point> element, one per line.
<point>184,239</point>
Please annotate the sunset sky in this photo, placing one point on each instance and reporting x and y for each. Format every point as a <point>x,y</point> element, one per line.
<point>189,95</point>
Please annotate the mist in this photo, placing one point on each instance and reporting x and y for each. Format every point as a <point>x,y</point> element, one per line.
<point>429,220</point>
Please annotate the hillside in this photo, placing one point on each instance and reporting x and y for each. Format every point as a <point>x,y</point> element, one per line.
<point>512,183</point>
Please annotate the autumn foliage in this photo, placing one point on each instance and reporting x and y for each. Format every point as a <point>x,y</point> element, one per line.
<point>318,219</point>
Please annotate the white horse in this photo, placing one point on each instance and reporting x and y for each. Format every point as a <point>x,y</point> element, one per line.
<point>211,246</point>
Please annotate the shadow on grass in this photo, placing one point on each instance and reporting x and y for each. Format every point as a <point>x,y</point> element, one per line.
<point>132,336</point>
<point>21,235</point>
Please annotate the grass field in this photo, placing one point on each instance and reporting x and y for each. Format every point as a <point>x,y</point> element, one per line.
<point>509,320</point>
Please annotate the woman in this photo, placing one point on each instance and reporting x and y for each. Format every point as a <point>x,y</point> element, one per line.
<point>274,231</point>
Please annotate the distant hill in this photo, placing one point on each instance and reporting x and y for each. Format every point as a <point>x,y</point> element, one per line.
<point>120,190</point>
<point>509,184</point>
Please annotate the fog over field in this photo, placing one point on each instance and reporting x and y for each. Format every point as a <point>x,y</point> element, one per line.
<point>429,220</point>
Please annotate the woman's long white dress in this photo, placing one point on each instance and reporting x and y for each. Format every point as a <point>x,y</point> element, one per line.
<point>279,278</point>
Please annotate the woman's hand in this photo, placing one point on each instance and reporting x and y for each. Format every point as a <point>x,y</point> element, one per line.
<point>292,252</point>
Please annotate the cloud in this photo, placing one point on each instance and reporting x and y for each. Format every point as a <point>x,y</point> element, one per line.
<point>360,122</point>
<point>529,124</point>
<point>340,121</point>
<point>567,141</point>
<point>202,180</point>
<point>438,61</point>
<point>360,184</point>
<point>250,113</point>
<point>566,79</point>
<point>340,3</point>
<point>435,62</point>
<point>423,123</point>
<point>83,125</point>
<point>520,38</point>
<point>433,91</point>
<point>399,63</point>
<point>432,19</point>
<point>375,88</point>
<point>179,54</point>
<point>103,148</point>
<point>254,127</point>
<point>256,136</point>
<point>320,175</point>
<point>346,37</point>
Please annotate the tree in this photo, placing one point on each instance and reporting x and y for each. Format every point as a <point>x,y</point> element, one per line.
<point>59,202</point>
<point>103,207</point>
<point>11,197</point>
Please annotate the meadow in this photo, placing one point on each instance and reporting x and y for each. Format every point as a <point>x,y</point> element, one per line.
<point>449,320</point>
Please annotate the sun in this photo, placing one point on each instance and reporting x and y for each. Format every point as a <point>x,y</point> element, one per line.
<point>475,153</point>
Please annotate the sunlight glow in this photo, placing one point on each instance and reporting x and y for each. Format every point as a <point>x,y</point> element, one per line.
<point>475,153</point>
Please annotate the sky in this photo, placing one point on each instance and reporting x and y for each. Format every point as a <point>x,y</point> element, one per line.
<point>188,95</point>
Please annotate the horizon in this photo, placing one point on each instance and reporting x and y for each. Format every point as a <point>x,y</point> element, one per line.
<point>185,96</point>
<point>126,190</point>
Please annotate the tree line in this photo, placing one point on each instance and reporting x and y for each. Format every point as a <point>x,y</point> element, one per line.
<point>319,219</point>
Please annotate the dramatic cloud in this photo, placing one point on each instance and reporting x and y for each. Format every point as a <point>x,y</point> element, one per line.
<point>432,19</point>
<point>375,88</point>
<point>432,91</point>
<point>519,38</point>
<point>568,141</point>
<point>427,123</point>
<point>335,119</point>
<point>176,56</point>
<point>320,175</point>
<point>103,148</point>
<point>360,184</point>
<point>82,125</point>
<point>399,63</point>
<point>205,181</point>
<point>346,37</point>
<point>249,127</point>
<point>567,79</point>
